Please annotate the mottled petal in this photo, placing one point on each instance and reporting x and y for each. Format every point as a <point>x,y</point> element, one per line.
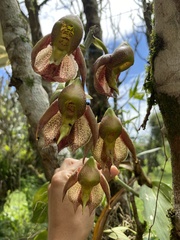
<point>98,150</point>
<point>68,69</point>
<point>120,152</point>
<point>42,60</point>
<point>129,144</point>
<point>50,112</point>
<point>96,197</point>
<point>50,131</point>
<point>74,195</point>
<point>48,126</point>
<point>100,82</point>
<point>40,45</point>
<point>70,182</point>
<point>80,134</point>
<point>64,72</point>
<point>42,66</point>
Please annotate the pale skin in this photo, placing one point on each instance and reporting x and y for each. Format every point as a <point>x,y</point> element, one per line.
<point>63,222</point>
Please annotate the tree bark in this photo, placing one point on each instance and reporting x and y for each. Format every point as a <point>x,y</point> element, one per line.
<point>167,89</point>
<point>33,11</point>
<point>99,103</point>
<point>32,96</point>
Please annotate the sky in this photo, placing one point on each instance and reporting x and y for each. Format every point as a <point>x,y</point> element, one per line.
<point>119,11</point>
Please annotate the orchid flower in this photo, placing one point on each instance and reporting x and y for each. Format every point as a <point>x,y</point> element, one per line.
<point>87,186</point>
<point>57,56</point>
<point>68,121</point>
<point>108,67</point>
<point>110,148</point>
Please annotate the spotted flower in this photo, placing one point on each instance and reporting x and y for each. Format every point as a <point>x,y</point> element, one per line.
<point>57,56</point>
<point>68,121</point>
<point>87,186</point>
<point>108,67</point>
<point>110,148</point>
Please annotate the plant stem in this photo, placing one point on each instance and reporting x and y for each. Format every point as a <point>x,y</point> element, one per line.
<point>127,187</point>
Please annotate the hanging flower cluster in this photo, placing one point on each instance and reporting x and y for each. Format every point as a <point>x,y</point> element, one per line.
<point>69,121</point>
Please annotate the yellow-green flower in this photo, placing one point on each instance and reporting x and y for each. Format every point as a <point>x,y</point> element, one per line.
<point>110,148</point>
<point>68,121</point>
<point>108,67</point>
<point>87,186</point>
<point>57,56</point>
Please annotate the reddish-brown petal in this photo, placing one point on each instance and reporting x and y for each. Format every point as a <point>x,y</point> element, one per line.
<point>81,64</point>
<point>70,182</point>
<point>120,152</point>
<point>98,150</point>
<point>129,144</point>
<point>42,65</point>
<point>74,195</point>
<point>48,134</point>
<point>101,61</point>
<point>100,82</point>
<point>80,134</point>
<point>96,197</point>
<point>50,112</point>
<point>105,187</point>
<point>41,44</point>
<point>68,69</point>
<point>92,124</point>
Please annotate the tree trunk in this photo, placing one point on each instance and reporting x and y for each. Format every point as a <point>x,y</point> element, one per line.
<point>32,96</point>
<point>99,103</point>
<point>167,88</point>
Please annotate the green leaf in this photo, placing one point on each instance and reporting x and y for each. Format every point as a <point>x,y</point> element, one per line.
<point>130,120</point>
<point>133,92</point>
<point>40,205</point>
<point>165,189</point>
<point>42,236</point>
<point>149,152</point>
<point>117,233</point>
<point>149,196</point>
<point>99,44</point>
<point>133,107</point>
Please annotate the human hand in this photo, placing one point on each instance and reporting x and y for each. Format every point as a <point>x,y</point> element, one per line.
<point>64,223</point>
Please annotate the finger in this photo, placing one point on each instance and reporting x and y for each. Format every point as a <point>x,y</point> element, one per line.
<point>70,163</point>
<point>114,171</point>
<point>110,173</point>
